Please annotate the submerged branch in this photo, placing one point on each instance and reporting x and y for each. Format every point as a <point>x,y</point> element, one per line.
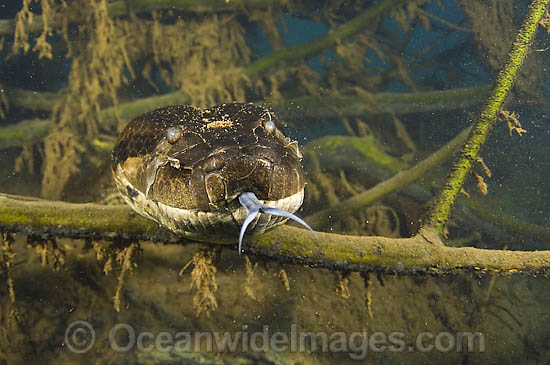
<point>305,106</point>
<point>126,111</point>
<point>30,131</point>
<point>37,101</point>
<point>441,206</point>
<point>382,103</point>
<point>25,132</point>
<point>394,255</point>
<point>286,244</point>
<point>90,221</point>
<point>334,36</point>
<point>399,180</point>
<point>34,130</point>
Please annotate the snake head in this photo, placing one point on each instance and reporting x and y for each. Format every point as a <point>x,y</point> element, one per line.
<point>207,173</point>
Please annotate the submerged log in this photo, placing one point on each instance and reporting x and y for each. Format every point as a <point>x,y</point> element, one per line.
<point>415,255</point>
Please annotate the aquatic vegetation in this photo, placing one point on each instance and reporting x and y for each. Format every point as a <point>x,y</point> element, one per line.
<point>203,278</point>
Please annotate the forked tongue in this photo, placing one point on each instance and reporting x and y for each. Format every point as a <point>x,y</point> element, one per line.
<point>254,206</point>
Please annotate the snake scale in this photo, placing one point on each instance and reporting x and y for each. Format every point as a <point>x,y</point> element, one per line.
<point>210,174</point>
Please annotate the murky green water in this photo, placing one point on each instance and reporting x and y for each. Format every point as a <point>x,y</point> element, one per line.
<point>368,89</point>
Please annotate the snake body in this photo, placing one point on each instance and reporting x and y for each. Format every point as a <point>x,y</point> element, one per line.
<point>209,173</point>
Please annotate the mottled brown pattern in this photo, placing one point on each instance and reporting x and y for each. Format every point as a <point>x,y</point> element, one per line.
<point>206,168</point>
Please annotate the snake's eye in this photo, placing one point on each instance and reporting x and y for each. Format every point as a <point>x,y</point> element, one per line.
<point>173,134</point>
<point>270,127</point>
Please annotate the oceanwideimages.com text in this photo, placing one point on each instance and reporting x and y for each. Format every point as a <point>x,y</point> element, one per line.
<point>80,338</point>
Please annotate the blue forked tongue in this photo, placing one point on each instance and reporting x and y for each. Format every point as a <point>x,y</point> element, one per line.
<point>254,206</point>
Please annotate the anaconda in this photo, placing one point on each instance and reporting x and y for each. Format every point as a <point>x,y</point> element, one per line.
<point>210,174</point>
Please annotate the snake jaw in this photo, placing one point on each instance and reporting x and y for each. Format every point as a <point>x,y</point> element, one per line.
<point>254,206</point>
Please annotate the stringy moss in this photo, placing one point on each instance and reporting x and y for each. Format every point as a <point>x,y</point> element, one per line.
<point>42,46</point>
<point>380,220</point>
<point>8,257</point>
<point>63,152</point>
<point>8,261</point>
<point>348,51</point>
<point>22,20</point>
<point>49,251</point>
<point>368,296</point>
<point>203,278</point>
<point>120,257</point>
<point>352,74</point>
<point>98,58</point>
<point>26,161</point>
<point>203,58</point>
<point>284,279</point>
<point>343,285</point>
<point>126,259</point>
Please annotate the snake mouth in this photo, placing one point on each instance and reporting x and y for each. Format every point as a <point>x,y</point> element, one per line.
<point>223,226</point>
